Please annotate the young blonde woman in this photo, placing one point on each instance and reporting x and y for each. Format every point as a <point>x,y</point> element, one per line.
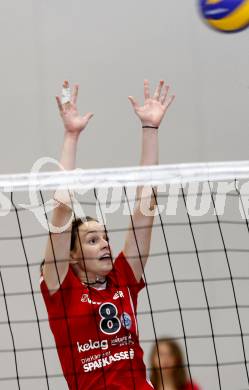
<point>91,298</point>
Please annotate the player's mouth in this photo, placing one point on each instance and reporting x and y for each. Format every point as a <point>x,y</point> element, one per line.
<point>105,256</point>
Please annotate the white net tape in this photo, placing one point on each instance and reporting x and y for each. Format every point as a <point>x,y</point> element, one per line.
<point>127,176</point>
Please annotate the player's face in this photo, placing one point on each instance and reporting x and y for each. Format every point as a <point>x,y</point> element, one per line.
<point>96,250</point>
<point>167,358</point>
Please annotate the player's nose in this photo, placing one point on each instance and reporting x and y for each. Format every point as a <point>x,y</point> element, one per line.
<point>104,243</point>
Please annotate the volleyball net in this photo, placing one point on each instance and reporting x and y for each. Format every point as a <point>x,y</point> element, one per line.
<point>197,276</point>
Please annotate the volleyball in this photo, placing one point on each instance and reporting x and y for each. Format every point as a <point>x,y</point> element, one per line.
<point>226,15</point>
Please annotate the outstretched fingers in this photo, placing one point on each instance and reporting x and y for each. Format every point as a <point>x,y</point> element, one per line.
<point>88,116</point>
<point>75,93</point>
<point>65,84</point>
<point>158,90</point>
<point>169,100</point>
<point>64,101</point>
<point>146,89</point>
<point>58,99</point>
<point>133,102</point>
<point>164,94</point>
<point>66,94</point>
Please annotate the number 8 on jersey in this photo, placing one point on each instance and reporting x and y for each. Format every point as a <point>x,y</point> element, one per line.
<point>110,323</point>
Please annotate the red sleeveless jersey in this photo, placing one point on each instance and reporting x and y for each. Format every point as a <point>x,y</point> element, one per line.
<point>191,386</point>
<point>96,331</point>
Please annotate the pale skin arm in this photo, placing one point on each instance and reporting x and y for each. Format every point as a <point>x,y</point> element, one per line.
<point>59,248</point>
<point>137,245</point>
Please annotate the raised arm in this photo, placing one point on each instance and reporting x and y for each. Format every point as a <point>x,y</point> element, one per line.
<point>58,245</point>
<point>137,243</point>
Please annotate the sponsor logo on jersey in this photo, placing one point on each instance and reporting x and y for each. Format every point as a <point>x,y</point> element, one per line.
<point>102,344</point>
<point>118,294</point>
<point>120,341</point>
<point>106,361</point>
<point>126,320</point>
<point>94,357</point>
<point>85,298</point>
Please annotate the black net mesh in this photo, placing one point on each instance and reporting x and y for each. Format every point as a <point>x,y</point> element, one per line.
<point>196,282</point>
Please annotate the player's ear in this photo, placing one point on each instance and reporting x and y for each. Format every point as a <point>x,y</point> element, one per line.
<point>74,257</point>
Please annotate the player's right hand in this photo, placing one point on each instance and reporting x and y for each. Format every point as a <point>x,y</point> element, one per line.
<point>74,123</point>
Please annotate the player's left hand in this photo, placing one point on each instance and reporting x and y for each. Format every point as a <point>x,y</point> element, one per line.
<point>155,107</point>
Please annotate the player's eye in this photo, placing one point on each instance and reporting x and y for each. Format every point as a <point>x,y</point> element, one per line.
<point>93,240</point>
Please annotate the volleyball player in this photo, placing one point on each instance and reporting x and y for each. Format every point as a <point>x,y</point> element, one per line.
<point>91,300</point>
<point>168,372</point>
